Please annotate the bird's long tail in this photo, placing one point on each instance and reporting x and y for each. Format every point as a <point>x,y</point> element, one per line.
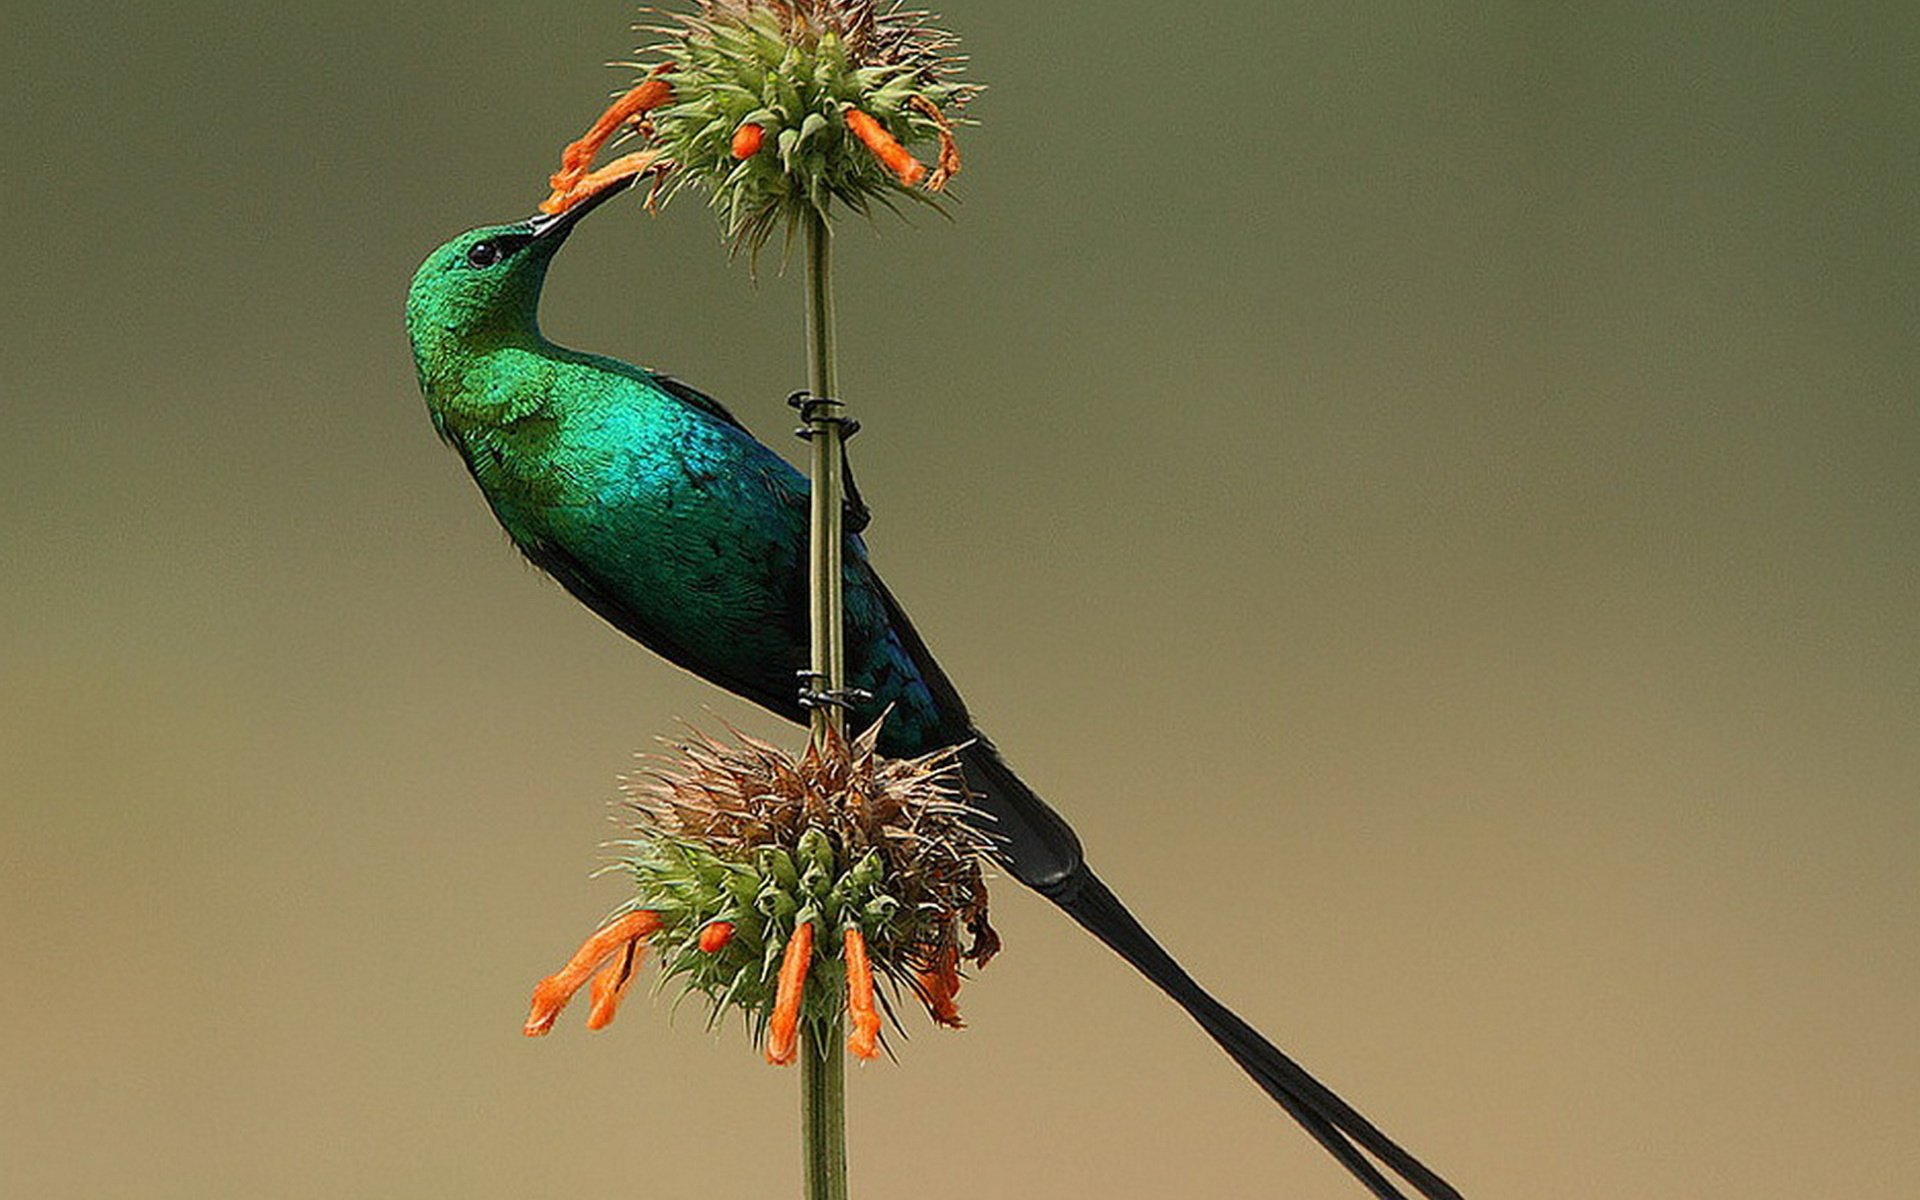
<point>1041,851</point>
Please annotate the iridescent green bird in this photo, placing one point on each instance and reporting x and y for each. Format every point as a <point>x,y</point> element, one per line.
<point>659,511</point>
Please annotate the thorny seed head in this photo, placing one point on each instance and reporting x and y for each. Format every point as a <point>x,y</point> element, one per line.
<point>796,70</point>
<point>747,835</point>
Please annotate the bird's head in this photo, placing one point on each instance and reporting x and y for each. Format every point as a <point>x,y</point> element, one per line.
<point>483,287</point>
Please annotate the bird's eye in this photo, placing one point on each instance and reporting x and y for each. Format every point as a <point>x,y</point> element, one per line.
<point>483,254</point>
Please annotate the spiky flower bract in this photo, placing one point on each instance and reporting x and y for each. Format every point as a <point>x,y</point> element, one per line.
<point>836,88</point>
<point>748,835</point>
<point>779,886</point>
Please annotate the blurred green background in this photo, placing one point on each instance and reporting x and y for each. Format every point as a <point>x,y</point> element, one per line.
<point>1431,490</point>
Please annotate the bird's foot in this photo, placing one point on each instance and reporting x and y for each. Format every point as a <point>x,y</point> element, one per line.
<point>810,406</point>
<point>858,515</point>
<point>814,696</point>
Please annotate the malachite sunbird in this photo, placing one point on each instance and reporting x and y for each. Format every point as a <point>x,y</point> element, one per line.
<point>657,509</point>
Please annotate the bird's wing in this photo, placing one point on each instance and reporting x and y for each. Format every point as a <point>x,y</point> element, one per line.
<point>858,516</point>
<point>769,685</point>
<point>686,392</point>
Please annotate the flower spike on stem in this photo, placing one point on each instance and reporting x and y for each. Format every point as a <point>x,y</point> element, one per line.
<point>863,1041</point>
<point>784,1029</point>
<point>841,92</point>
<point>551,994</point>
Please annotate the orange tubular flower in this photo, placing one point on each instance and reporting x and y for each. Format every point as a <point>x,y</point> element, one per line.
<point>551,994</point>
<point>714,937</point>
<point>783,1031</point>
<point>629,164</point>
<point>577,158</point>
<point>863,1041</point>
<point>747,139</point>
<point>892,155</point>
<point>609,987</point>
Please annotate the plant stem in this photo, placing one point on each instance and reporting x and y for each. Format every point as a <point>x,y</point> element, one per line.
<point>823,1110</point>
<point>829,456</point>
<point>823,1099</point>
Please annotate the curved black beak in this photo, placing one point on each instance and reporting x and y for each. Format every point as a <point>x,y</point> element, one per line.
<point>557,225</point>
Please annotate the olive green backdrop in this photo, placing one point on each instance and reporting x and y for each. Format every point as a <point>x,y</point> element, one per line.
<point>1430,489</point>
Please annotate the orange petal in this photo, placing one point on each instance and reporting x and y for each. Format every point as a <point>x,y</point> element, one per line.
<point>747,139</point>
<point>783,1031</point>
<point>863,1041</point>
<point>636,163</point>
<point>551,994</point>
<point>610,986</point>
<point>892,155</point>
<point>640,99</point>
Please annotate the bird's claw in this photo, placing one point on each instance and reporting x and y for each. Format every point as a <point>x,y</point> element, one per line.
<point>858,515</point>
<point>809,405</point>
<point>814,696</point>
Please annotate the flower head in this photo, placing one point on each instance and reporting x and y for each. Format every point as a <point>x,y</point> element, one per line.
<point>780,107</point>
<point>781,886</point>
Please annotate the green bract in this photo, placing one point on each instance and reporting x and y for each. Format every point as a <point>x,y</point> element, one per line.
<point>764,900</point>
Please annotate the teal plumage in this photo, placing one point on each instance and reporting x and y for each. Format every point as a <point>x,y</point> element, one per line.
<point>651,504</point>
<point>657,509</point>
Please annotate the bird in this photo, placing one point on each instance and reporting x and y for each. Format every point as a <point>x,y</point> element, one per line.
<point>654,506</point>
